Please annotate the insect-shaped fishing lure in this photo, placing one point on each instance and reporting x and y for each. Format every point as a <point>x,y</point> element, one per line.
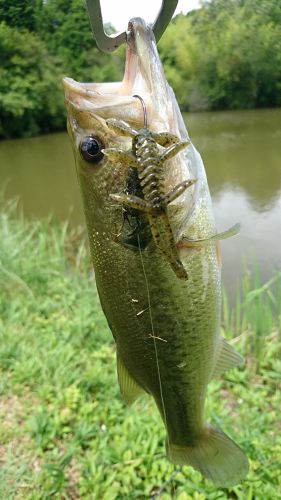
<point>149,161</point>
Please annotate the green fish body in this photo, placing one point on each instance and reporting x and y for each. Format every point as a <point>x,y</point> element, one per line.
<point>167,330</point>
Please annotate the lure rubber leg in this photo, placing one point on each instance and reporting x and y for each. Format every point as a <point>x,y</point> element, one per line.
<point>178,190</point>
<point>165,139</point>
<point>132,202</point>
<point>174,150</point>
<point>120,156</point>
<point>121,128</point>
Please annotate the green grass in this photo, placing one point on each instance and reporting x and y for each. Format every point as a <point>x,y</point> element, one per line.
<point>64,431</point>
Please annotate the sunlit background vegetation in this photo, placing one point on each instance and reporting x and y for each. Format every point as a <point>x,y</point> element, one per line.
<point>64,430</point>
<point>225,55</point>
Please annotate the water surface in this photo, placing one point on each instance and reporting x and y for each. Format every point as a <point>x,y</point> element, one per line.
<point>241,152</point>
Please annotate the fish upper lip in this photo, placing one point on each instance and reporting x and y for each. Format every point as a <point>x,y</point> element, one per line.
<point>141,56</point>
<point>137,27</point>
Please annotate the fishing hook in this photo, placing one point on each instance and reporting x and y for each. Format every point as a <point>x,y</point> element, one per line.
<point>108,43</point>
<point>144,109</point>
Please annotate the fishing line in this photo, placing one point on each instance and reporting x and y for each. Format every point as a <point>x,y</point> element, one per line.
<point>155,346</point>
<point>162,488</point>
<point>152,325</point>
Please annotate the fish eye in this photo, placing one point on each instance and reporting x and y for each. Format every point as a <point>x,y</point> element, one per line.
<point>91,149</point>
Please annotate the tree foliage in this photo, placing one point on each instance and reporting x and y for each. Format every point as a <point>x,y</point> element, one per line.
<point>40,42</point>
<point>31,99</point>
<point>224,55</point>
<point>20,14</point>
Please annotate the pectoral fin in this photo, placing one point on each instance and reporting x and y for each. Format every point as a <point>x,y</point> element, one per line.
<point>187,242</point>
<point>129,388</point>
<point>228,358</point>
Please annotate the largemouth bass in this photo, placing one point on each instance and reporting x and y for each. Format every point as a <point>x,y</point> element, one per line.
<point>167,329</point>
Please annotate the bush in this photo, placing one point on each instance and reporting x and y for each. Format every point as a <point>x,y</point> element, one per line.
<point>31,98</point>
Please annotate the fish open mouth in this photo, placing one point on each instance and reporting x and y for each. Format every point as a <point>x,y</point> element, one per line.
<point>143,76</point>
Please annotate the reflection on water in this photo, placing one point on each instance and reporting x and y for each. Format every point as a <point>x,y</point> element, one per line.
<point>259,239</point>
<point>241,149</point>
<point>241,152</point>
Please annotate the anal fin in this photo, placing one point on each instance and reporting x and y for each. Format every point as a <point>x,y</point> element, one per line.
<point>228,358</point>
<point>129,388</point>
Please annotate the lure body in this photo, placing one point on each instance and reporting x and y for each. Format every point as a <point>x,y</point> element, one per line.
<point>150,165</point>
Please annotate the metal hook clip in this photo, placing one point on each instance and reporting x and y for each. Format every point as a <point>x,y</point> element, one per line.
<point>108,43</point>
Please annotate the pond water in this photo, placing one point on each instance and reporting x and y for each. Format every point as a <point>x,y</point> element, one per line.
<point>241,152</point>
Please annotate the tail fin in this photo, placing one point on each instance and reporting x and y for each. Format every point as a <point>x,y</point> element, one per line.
<point>215,455</point>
